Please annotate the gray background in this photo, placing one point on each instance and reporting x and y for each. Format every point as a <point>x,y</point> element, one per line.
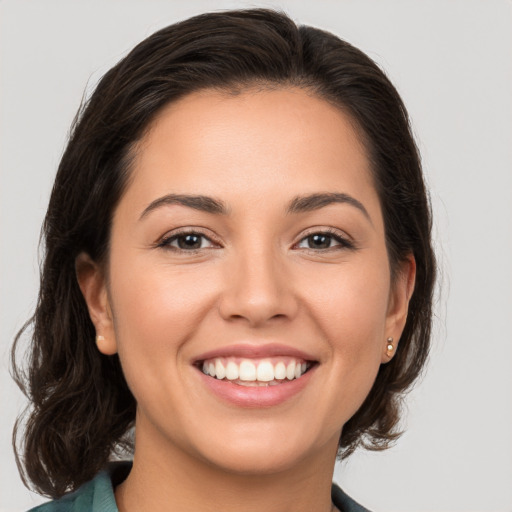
<point>452,63</point>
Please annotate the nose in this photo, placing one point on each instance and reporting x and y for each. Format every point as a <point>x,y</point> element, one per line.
<point>258,290</point>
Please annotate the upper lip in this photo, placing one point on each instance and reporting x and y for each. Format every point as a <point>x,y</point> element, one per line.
<point>250,351</point>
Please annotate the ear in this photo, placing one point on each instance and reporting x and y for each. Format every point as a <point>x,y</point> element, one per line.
<point>92,282</point>
<point>398,306</point>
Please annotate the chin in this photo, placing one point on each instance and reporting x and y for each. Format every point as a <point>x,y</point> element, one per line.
<point>252,460</point>
<point>246,452</point>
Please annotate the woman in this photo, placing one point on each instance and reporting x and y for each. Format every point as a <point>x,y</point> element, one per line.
<point>238,265</point>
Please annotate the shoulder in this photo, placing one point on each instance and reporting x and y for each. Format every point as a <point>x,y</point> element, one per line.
<point>344,502</point>
<point>79,501</point>
<point>97,495</point>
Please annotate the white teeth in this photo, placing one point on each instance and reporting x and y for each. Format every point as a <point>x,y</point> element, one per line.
<point>280,371</point>
<point>220,371</point>
<point>262,373</point>
<point>265,371</point>
<point>290,371</point>
<point>247,371</point>
<point>232,371</point>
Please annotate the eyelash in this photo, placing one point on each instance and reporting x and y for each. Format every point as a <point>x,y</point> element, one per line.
<point>165,243</point>
<point>343,243</point>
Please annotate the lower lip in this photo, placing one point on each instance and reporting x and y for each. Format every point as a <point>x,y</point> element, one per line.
<point>256,396</point>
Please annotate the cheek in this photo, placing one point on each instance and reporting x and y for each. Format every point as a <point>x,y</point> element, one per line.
<point>351,303</point>
<point>152,296</point>
<point>349,307</point>
<point>156,310</point>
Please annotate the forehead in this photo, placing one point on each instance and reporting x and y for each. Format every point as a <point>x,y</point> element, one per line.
<point>287,141</point>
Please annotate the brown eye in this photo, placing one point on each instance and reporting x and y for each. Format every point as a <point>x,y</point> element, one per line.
<point>319,241</point>
<point>189,241</point>
<point>323,241</point>
<point>186,242</point>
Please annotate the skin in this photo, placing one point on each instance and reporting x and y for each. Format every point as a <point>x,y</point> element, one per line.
<point>255,280</point>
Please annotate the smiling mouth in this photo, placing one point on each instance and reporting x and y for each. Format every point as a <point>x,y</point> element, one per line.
<point>265,372</point>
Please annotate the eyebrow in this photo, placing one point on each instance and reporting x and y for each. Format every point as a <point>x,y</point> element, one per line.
<point>197,202</point>
<point>313,202</point>
<point>298,204</point>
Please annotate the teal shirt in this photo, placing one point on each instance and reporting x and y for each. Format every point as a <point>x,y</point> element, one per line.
<point>97,495</point>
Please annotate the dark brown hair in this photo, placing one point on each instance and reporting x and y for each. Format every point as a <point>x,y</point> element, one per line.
<point>81,408</point>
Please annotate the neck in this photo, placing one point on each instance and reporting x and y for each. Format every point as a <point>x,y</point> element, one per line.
<point>170,476</point>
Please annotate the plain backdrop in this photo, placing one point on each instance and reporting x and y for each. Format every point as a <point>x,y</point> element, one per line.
<point>452,62</point>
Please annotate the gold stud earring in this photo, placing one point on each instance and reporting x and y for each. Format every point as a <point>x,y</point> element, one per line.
<point>390,344</point>
<point>99,338</point>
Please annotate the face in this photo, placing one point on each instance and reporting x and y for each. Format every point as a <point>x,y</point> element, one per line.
<point>248,291</point>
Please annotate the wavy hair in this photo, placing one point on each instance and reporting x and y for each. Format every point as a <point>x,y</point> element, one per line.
<point>81,409</point>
